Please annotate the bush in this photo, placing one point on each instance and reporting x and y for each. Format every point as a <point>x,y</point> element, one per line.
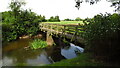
<point>102,36</point>
<point>8,32</point>
<point>26,23</point>
<point>37,43</point>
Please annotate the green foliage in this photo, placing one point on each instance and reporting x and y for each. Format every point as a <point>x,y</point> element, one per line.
<point>7,17</point>
<point>102,36</point>
<point>37,43</point>
<point>41,18</point>
<point>15,6</point>
<point>54,19</point>
<point>68,19</point>
<point>87,20</point>
<point>19,22</point>
<point>78,19</point>
<point>8,32</point>
<point>27,24</point>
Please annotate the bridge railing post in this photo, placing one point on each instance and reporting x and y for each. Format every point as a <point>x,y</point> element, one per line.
<point>75,34</point>
<point>57,28</point>
<point>51,29</point>
<point>63,31</point>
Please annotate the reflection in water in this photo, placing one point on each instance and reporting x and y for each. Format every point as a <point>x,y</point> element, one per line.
<point>7,61</point>
<point>70,51</point>
<point>18,52</point>
<point>42,59</point>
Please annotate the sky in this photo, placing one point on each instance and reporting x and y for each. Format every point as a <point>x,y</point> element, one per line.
<point>63,8</point>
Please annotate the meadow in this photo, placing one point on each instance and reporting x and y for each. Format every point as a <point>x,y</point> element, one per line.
<point>66,22</point>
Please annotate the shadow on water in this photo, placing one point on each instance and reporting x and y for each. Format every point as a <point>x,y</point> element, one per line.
<point>18,53</point>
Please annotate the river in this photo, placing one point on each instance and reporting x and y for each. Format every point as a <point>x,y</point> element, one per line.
<point>18,53</point>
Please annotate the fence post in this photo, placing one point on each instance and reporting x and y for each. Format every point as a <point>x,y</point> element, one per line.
<point>51,30</point>
<point>57,28</point>
<point>75,34</point>
<point>63,31</point>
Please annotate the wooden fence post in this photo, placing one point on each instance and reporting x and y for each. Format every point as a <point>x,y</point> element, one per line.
<point>75,34</point>
<point>64,31</point>
<point>57,28</point>
<point>51,30</point>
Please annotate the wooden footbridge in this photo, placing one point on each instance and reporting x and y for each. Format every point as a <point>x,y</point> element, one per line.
<point>70,31</point>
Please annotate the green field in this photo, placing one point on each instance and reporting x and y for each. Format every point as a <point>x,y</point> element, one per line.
<point>68,29</point>
<point>66,22</point>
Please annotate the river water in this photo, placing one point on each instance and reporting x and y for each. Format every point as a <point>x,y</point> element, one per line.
<point>17,53</point>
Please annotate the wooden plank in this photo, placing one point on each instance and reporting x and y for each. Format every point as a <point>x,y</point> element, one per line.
<point>63,30</point>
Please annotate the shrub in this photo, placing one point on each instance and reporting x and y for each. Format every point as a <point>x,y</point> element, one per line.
<point>8,32</point>
<point>37,43</point>
<point>102,36</point>
<point>26,23</point>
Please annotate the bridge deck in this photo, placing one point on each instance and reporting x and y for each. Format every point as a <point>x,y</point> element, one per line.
<point>68,31</point>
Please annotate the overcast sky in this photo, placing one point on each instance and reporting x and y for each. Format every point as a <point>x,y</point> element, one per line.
<point>63,8</point>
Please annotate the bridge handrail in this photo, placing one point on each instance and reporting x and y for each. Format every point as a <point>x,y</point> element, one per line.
<point>68,28</point>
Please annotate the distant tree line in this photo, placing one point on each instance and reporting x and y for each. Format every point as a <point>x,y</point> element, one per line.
<point>77,19</point>
<point>54,19</point>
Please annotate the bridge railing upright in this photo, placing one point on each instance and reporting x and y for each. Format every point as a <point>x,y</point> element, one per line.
<point>63,29</point>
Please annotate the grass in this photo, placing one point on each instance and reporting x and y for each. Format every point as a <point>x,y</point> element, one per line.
<point>37,43</point>
<point>21,64</point>
<point>66,22</point>
<point>81,60</point>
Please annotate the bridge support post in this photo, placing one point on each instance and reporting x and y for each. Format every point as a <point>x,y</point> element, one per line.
<point>49,39</point>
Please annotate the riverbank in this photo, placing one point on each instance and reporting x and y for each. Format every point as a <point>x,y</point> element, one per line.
<point>84,59</point>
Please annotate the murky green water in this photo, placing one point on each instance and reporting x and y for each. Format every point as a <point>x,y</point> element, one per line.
<point>17,53</point>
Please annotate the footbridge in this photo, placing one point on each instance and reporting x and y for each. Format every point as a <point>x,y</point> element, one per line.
<point>69,31</point>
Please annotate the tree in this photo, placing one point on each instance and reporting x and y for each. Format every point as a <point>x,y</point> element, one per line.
<point>78,19</point>
<point>19,22</point>
<point>51,19</point>
<point>54,19</point>
<point>115,3</point>
<point>68,19</point>
<point>15,7</point>
<point>57,19</point>
<point>7,17</point>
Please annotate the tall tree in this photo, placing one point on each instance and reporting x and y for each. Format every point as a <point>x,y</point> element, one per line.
<point>15,6</point>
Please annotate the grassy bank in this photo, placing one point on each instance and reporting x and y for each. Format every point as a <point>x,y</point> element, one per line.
<point>82,60</point>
